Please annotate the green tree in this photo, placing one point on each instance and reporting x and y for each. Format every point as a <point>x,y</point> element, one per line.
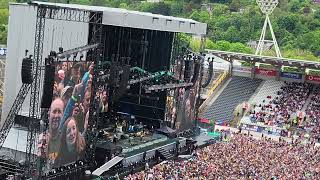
<point>177,8</point>
<point>4,4</point>
<point>239,47</point>
<point>295,6</point>
<point>284,5</point>
<point>220,9</point>
<point>223,45</point>
<point>84,2</point>
<point>98,2</point>
<point>232,34</point>
<point>195,44</point>
<point>3,33</point>
<point>288,22</point>
<point>202,16</point>
<point>4,14</point>
<point>124,6</point>
<point>310,41</point>
<point>317,14</point>
<point>184,39</point>
<point>210,44</point>
<point>235,5</point>
<point>300,54</point>
<point>156,8</point>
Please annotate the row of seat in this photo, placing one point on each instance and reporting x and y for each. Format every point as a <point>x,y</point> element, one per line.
<point>269,88</point>
<point>238,90</point>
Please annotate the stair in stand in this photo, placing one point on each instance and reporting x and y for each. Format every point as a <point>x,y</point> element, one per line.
<point>164,154</point>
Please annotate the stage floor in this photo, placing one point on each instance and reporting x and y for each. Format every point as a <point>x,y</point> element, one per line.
<point>134,143</point>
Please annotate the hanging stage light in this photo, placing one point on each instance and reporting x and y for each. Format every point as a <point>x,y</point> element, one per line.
<point>62,55</point>
<point>166,86</point>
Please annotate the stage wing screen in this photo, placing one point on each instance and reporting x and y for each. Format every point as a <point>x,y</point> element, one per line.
<point>63,141</point>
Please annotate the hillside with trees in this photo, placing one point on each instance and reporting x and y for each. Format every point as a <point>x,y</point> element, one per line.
<point>231,23</point>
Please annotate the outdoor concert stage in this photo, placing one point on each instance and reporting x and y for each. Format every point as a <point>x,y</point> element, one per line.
<point>130,143</point>
<point>103,59</point>
<point>134,143</point>
<point>151,152</point>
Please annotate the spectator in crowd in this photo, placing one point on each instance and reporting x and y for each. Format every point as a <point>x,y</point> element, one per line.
<point>278,110</point>
<point>313,115</point>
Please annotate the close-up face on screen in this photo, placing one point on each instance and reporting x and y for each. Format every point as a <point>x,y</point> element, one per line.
<point>68,114</point>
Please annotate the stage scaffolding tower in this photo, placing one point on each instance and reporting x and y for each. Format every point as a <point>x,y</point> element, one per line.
<point>94,18</point>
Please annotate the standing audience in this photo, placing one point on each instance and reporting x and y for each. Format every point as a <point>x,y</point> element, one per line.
<point>243,157</point>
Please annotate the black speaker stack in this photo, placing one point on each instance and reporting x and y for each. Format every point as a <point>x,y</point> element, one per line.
<point>26,70</point>
<point>48,84</point>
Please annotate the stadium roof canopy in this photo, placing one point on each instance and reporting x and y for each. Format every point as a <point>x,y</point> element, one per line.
<point>229,56</point>
<point>135,19</point>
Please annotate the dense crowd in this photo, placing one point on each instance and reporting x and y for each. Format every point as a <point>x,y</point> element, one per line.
<point>243,157</point>
<point>313,113</point>
<point>278,110</point>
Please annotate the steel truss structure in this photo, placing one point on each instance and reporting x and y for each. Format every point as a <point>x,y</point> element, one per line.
<point>76,50</point>
<point>276,61</point>
<point>35,89</point>
<point>94,18</point>
<point>267,7</point>
<point>97,56</point>
<point>13,111</point>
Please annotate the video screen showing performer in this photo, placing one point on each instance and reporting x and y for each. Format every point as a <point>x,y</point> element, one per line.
<point>186,108</point>
<point>64,140</point>
<point>103,96</point>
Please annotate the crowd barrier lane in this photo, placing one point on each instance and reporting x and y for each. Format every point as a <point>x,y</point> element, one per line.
<point>256,135</point>
<point>219,80</point>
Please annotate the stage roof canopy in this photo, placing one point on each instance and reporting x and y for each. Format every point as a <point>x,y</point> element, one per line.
<point>265,59</point>
<point>135,19</point>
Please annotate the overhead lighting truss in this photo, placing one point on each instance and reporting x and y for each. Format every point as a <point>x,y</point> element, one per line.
<point>167,87</point>
<point>75,51</point>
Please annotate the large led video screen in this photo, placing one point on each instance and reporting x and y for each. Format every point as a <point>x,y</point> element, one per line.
<point>186,108</point>
<point>63,141</point>
<point>181,102</point>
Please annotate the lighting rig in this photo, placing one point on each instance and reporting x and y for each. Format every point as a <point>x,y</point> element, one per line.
<point>168,81</point>
<point>64,56</point>
<point>146,76</point>
<point>66,171</point>
<point>157,88</point>
<point>157,81</point>
<point>164,81</point>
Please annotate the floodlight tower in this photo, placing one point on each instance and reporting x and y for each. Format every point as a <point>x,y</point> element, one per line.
<point>267,7</point>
